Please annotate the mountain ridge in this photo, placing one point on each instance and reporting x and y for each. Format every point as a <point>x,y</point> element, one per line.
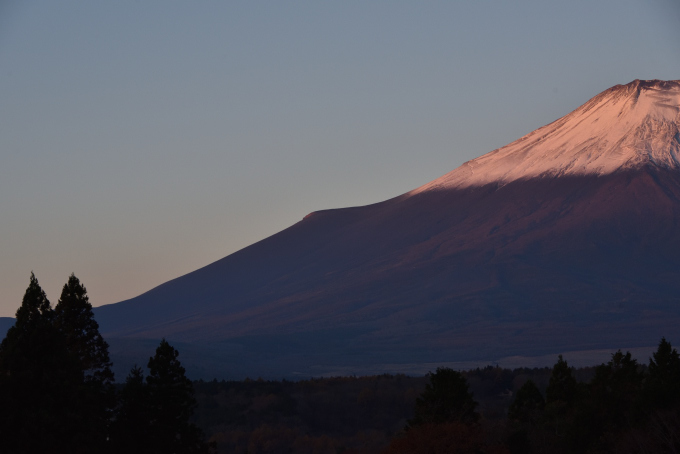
<point>461,268</point>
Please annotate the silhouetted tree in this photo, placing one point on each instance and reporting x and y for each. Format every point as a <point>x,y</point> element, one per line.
<point>560,395</point>
<point>446,399</point>
<point>617,385</point>
<point>154,416</point>
<point>528,404</point>
<point>131,430</point>
<point>562,385</point>
<point>74,319</point>
<point>663,383</point>
<point>38,381</point>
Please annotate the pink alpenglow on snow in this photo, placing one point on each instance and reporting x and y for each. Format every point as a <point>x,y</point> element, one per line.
<point>624,127</point>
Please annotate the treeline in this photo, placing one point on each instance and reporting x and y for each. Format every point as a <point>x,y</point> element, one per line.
<point>621,406</point>
<point>320,415</point>
<point>57,392</point>
<point>626,407</point>
<point>341,414</point>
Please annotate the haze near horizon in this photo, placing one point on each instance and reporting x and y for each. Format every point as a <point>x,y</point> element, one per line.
<point>141,141</point>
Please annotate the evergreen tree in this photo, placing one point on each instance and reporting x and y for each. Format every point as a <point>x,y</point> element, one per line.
<point>131,430</point>
<point>528,404</point>
<point>35,308</point>
<point>618,383</point>
<point>562,385</point>
<point>446,399</point>
<point>37,380</point>
<point>171,395</point>
<point>96,397</point>
<point>560,396</point>
<point>75,319</point>
<point>615,393</point>
<point>663,384</point>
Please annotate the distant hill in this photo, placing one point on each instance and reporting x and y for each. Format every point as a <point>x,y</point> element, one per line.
<point>5,324</point>
<point>566,239</point>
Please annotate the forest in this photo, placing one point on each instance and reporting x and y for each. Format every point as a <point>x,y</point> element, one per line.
<point>621,406</point>
<point>58,394</point>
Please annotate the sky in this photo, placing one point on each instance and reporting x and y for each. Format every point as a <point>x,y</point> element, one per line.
<point>142,140</point>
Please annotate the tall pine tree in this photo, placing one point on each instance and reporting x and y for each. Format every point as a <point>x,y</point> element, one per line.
<point>154,416</point>
<point>171,395</point>
<point>74,319</point>
<point>663,384</point>
<point>447,398</point>
<point>131,429</point>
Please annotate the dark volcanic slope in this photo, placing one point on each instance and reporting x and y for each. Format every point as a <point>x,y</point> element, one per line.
<point>540,261</point>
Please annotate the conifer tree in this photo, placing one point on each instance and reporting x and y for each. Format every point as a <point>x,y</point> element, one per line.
<point>35,307</point>
<point>446,398</point>
<point>560,396</point>
<point>663,384</point>
<point>74,319</point>
<point>615,391</point>
<point>562,385</point>
<point>154,415</point>
<point>131,430</point>
<point>528,404</point>
<point>37,378</point>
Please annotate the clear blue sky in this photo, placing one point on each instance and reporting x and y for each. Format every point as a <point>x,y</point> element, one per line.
<point>141,140</point>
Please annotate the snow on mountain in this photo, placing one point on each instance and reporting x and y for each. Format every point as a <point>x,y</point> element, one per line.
<point>624,127</point>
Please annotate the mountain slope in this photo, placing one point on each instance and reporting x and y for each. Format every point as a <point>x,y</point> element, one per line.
<point>565,239</point>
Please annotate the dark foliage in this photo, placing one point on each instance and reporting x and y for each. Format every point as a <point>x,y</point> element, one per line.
<point>444,438</point>
<point>446,398</point>
<point>341,414</point>
<point>171,398</point>
<point>562,386</point>
<point>130,432</point>
<point>57,393</point>
<point>528,404</point>
<point>73,316</point>
<point>154,416</point>
<point>38,381</point>
<point>663,383</point>
<point>93,407</point>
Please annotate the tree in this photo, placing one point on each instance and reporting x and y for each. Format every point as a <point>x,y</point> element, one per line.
<point>74,319</point>
<point>663,384</point>
<point>562,385</point>
<point>618,383</point>
<point>560,396</point>
<point>37,380</point>
<point>154,416</point>
<point>446,399</point>
<point>614,403</point>
<point>131,430</point>
<point>528,404</point>
<point>35,308</point>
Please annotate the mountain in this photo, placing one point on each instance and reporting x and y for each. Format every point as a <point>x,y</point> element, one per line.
<point>5,324</point>
<point>564,240</point>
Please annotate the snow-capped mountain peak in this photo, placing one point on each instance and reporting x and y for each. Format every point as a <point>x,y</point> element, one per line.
<point>624,127</point>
